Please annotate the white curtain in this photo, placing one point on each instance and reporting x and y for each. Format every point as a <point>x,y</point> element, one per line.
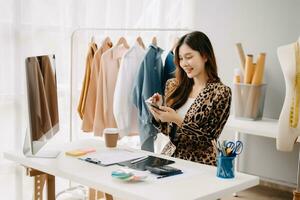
<point>39,27</point>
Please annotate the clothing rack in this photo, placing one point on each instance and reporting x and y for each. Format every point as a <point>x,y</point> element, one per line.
<point>136,31</point>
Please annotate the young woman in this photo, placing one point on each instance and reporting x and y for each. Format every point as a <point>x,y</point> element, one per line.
<point>197,102</point>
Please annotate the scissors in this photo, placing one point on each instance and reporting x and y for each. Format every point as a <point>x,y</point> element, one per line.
<point>234,148</point>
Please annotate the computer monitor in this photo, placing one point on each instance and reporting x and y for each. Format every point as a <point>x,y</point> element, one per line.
<point>42,104</point>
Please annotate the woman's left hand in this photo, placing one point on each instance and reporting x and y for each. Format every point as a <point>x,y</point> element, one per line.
<point>168,115</point>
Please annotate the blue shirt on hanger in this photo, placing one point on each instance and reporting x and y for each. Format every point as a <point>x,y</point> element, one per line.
<point>169,68</point>
<point>149,80</point>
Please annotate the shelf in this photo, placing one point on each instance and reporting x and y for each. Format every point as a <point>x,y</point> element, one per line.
<point>265,127</point>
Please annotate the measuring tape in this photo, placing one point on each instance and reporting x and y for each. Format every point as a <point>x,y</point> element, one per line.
<point>294,110</point>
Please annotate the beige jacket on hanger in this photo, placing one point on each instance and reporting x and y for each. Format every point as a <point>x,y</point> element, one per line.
<point>110,63</point>
<point>90,104</point>
<point>86,82</point>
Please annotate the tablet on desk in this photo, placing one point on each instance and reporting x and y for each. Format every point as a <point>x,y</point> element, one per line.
<point>149,161</point>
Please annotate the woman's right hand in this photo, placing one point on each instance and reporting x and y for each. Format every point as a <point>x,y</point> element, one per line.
<point>154,113</point>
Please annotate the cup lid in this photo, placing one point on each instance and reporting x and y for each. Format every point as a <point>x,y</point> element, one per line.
<point>111,130</point>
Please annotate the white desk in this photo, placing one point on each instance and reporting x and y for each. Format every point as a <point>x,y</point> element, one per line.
<point>198,181</point>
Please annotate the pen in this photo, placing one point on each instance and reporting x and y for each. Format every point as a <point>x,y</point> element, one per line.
<point>167,175</point>
<point>91,160</point>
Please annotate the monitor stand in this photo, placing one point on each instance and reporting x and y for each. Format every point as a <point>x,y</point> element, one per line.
<point>42,153</point>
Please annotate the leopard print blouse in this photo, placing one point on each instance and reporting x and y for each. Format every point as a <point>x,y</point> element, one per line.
<point>203,122</point>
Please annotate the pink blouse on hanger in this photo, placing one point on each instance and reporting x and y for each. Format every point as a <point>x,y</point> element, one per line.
<point>110,62</point>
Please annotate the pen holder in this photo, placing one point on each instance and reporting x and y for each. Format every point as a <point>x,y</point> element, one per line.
<point>225,166</point>
<point>249,100</point>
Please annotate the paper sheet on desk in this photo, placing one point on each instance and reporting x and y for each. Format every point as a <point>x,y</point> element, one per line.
<point>113,156</point>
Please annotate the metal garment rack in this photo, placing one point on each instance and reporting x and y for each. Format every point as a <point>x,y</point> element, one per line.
<point>104,30</point>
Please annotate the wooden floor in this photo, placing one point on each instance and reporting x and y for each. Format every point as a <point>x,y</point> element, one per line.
<point>262,193</point>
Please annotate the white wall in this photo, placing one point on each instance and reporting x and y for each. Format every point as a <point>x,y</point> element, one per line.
<point>261,26</point>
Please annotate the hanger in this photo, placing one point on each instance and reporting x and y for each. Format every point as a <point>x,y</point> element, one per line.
<point>107,40</point>
<point>140,42</point>
<point>123,41</point>
<point>93,39</point>
<point>154,41</point>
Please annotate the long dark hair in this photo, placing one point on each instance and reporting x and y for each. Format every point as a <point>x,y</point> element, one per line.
<point>197,41</point>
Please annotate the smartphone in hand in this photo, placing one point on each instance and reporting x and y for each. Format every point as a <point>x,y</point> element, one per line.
<point>155,106</point>
<point>155,101</point>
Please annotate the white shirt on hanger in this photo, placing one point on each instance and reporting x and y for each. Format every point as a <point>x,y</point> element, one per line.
<point>124,111</point>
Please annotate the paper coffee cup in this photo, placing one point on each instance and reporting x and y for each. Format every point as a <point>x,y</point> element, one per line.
<point>111,137</point>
